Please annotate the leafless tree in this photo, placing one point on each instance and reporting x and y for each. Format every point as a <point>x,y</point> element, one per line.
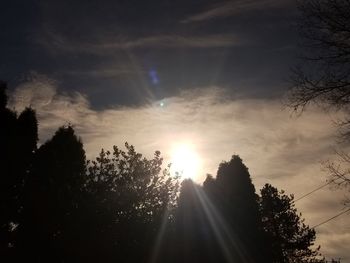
<point>323,78</point>
<point>339,171</point>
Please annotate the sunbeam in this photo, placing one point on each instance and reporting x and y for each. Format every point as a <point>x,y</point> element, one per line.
<point>221,230</point>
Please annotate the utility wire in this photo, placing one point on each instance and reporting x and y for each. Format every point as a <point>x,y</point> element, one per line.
<point>315,190</point>
<point>333,217</point>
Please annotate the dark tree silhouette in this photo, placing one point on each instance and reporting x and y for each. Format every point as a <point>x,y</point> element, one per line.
<point>7,182</point>
<point>193,238</point>
<point>52,197</point>
<point>234,196</point>
<point>3,95</point>
<point>18,139</point>
<point>290,238</point>
<point>324,77</point>
<point>130,197</point>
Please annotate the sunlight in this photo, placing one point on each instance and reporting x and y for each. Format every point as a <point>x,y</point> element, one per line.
<point>185,161</point>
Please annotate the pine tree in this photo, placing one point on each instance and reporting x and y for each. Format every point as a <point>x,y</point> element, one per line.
<point>233,194</point>
<point>291,238</point>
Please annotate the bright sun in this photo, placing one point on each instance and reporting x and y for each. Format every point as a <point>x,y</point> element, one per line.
<point>185,161</point>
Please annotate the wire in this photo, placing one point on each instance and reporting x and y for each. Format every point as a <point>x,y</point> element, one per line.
<point>315,190</point>
<point>333,217</point>
<point>309,193</point>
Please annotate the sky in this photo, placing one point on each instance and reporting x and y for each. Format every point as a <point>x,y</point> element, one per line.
<point>210,74</point>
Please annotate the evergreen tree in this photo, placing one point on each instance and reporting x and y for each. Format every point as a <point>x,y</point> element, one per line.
<point>193,239</point>
<point>290,238</point>
<point>18,139</point>
<point>234,196</point>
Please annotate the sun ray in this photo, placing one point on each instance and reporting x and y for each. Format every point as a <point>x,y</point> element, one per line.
<point>224,236</point>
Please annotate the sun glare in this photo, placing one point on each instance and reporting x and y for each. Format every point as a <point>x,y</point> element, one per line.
<point>185,161</point>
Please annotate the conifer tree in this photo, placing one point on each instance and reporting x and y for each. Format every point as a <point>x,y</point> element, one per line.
<point>290,237</point>
<point>233,194</point>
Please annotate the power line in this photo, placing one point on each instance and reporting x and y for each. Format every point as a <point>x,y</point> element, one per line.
<point>333,217</point>
<point>315,190</point>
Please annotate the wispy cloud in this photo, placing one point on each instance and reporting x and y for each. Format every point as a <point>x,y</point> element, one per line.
<point>107,45</point>
<point>278,149</point>
<point>230,8</point>
<point>103,72</point>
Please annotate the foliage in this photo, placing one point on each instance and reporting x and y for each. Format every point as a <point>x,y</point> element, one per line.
<point>53,193</point>
<point>291,239</point>
<point>131,197</point>
<point>193,238</point>
<point>18,138</point>
<point>233,195</point>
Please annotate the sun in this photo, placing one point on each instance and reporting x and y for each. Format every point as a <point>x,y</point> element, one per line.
<point>185,161</point>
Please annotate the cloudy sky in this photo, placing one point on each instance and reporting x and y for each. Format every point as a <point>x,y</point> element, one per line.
<point>210,74</point>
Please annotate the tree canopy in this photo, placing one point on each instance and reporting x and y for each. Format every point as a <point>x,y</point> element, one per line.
<point>291,239</point>
<point>18,139</point>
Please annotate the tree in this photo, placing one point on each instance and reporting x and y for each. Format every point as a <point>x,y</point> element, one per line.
<point>193,238</point>
<point>18,140</point>
<point>7,184</point>
<point>3,95</point>
<point>130,197</point>
<point>324,78</point>
<point>339,171</point>
<point>290,238</point>
<point>53,194</point>
<point>233,194</point>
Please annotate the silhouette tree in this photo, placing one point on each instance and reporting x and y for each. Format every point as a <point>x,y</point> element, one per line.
<point>3,95</point>
<point>52,198</point>
<point>18,139</point>
<point>233,194</point>
<point>8,122</point>
<point>193,238</point>
<point>290,238</point>
<point>324,78</point>
<point>131,197</point>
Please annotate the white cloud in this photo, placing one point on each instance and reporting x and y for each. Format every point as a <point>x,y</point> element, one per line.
<point>277,148</point>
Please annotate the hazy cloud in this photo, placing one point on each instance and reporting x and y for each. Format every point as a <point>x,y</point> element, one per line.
<point>106,45</point>
<point>278,149</point>
<point>230,8</point>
